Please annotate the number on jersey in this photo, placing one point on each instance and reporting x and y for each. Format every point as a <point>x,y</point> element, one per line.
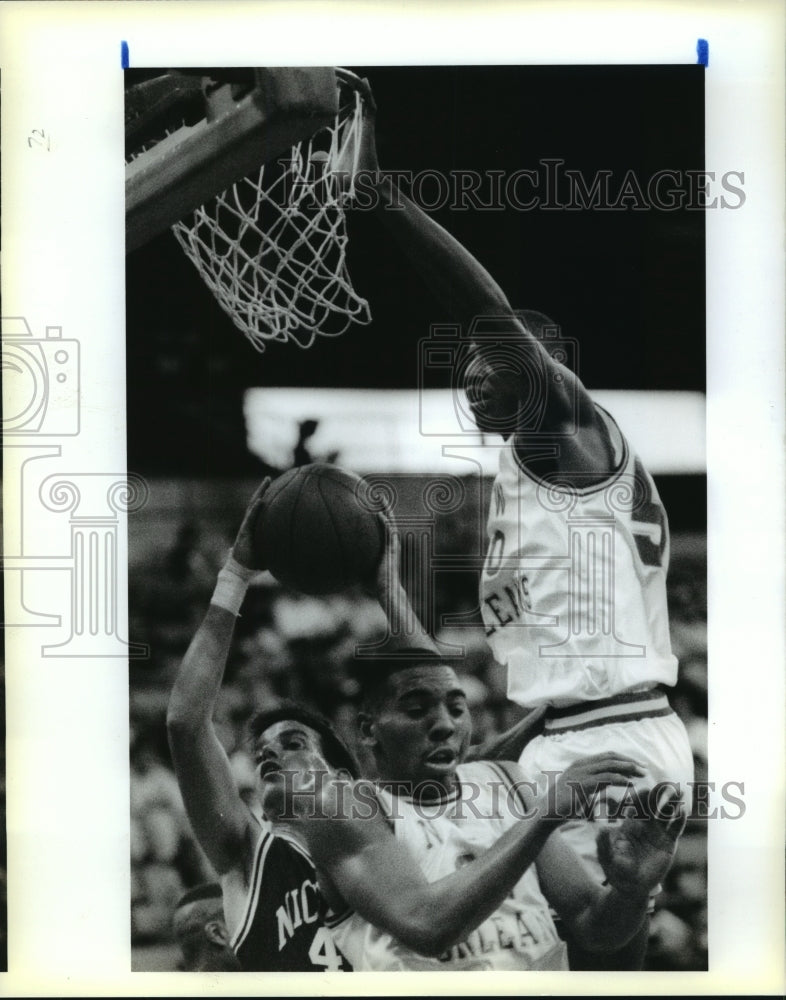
<point>323,951</point>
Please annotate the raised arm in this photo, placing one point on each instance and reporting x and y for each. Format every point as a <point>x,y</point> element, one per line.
<point>385,584</point>
<point>362,865</point>
<point>471,297</point>
<point>219,818</point>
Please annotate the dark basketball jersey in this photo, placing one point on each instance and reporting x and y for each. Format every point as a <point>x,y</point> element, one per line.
<point>282,917</point>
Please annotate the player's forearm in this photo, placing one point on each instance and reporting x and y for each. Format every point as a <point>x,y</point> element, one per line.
<point>462,284</point>
<point>374,875</point>
<point>199,678</point>
<point>510,744</point>
<point>401,616</point>
<point>218,818</point>
<point>198,681</point>
<point>610,920</point>
<point>458,903</point>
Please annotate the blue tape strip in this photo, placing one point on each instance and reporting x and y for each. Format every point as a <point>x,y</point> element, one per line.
<point>703,52</point>
<point>124,55</point>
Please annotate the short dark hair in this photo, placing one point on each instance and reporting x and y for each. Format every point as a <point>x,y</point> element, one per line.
<point>207,890</point>
<point>372,674</point>
<point>194,910</point>
<point>337,754</point>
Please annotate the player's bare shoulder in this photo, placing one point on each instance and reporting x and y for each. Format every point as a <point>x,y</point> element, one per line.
<point>335,815</point>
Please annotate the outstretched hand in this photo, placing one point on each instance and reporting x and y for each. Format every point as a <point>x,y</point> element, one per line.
<point>368,159</point>
<point>636,854</point>
<point>383,582</point>
<point>578,787</point>
<point>245,551</point>
<point>358,150</point>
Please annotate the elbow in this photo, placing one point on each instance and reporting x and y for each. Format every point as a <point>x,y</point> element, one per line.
<point>427,942</point>
<point>422,934</point>
<point>181,724</point>
<point>176,718</point>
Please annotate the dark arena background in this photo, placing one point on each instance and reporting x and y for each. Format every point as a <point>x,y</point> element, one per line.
<point>625,278</point>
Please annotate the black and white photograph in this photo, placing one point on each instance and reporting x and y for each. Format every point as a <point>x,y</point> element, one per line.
<point>343,331</point>
<point>404,607</point>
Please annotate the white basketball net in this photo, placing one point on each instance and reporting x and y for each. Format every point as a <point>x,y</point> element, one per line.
<point>272,248</point>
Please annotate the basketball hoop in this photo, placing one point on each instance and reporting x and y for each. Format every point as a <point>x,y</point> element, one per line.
<point>272,246</point>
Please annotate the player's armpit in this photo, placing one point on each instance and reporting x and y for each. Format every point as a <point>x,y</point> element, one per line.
<point>570,418</point>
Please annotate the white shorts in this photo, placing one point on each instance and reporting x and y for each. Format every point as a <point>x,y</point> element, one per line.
<point>659,744</point>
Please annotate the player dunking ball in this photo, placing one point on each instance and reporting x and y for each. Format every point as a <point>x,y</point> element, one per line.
<point>573,592</point>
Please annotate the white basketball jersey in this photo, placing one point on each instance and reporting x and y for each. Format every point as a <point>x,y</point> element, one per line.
<point>573,590</point>
<point>442,837</point>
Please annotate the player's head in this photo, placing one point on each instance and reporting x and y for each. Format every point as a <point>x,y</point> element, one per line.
<point>493,394</point>
<point>415,721</point>
<point>291,740</point>
<point>504,373</point>
<point>200,931</point>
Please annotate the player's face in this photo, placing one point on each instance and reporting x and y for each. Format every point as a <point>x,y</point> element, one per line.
<point>422,730</point>
<point>288,756</point>
<point>493,396</point>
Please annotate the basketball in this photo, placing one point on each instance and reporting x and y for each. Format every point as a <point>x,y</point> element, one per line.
<point>315,534</point>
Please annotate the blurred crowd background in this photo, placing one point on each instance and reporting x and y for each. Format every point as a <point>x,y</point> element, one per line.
<point>291,646</point>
